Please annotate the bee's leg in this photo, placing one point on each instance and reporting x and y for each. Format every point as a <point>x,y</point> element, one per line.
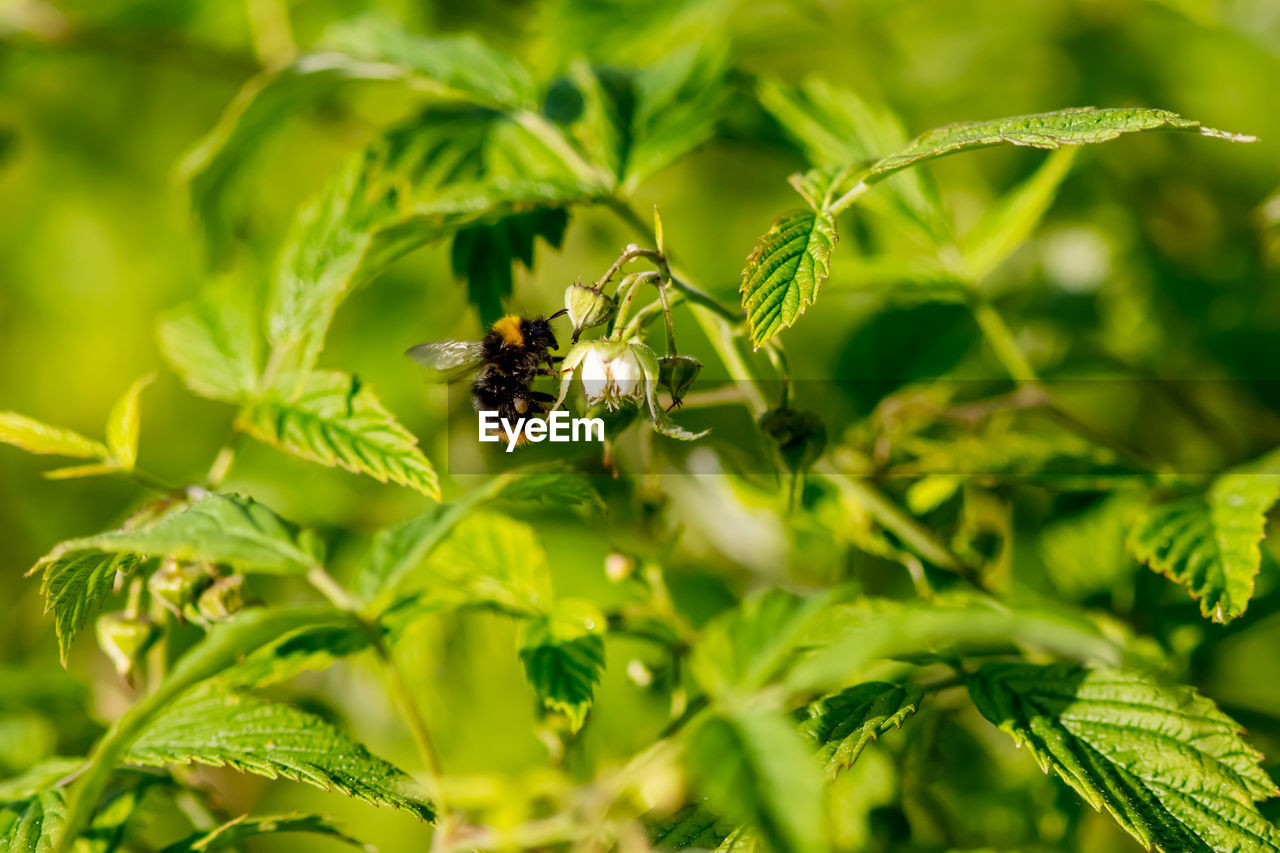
<point>541,396</point>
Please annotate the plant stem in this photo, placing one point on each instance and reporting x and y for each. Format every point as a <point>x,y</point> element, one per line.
<point>223,461</point>
<point>396,683</point>
<point>894,519</point>
<point>1003,344</point>
<point>142,478</point>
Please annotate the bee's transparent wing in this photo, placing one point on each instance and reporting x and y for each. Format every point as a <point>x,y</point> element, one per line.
<point>448,360</point>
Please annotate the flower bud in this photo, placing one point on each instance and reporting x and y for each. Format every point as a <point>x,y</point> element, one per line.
<point>587,307</point>
<point>125,639</point>
<point>676,373</point>
<point>799,436</point>
<point>223,598</point>
<point>176,585</point>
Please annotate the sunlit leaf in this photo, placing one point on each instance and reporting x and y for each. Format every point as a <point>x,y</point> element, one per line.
<point>1168,765</point>
<point>743,648</point>
<point>493,559</point>
<point>1010,221</point>
<point>214,528</point>
<point>220,728</point>
<point>122,426</point>
<point>75,583</point>
<point>755,769</point>
<point>338,421</point>
<point>364,51</point>
<point>1209,542</point>
<point>32,825</point>
<point>36,437</point>
<point>563,657</point>
<point>784,271</point>
<point>843,725</point>
<point>212,343</point>
<point>1076,126</point>
<point>235,831</point>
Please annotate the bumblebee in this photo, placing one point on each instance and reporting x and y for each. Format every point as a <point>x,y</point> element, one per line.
<point>514,352</point>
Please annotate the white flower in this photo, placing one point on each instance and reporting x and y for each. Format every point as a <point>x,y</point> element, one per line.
<point>612,374</point>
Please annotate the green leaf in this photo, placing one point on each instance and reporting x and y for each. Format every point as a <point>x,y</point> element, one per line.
<point>554,484</point>
<point>46,774</point>
<point>693,826</point>
<point>220,728</point>
<point>1168,765</point>
<point>754,768</point>
<point>563,657</point>
<point>491,559</point>
<point>844,724</point>
<point>31,825</point>
<point>746,647</point>
<point>785,270</point>
<point>679,103</point>
<point>122,426</point>
<point>75,584</point>
<point>214,528</point>
<point>235,831</point>
<point>366,51</point>
<point>338,421</point>
<point>1009,223</point>
<point>36,437</point>
<point>225,644</point>
<point>485,254</point>
<point>1209,542</point>
<point>1075,126</point>
<point>310,649</point>
<point>841,130</point>
<point>423,181</point>
<point>212,343</point>
<point>846,639</point>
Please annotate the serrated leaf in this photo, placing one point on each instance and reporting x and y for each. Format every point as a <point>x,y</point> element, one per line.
<point>493,559</point>
<point>337,421</point>
<point>563,657</point>
<point>365,51</point>
<point>310,649</point>
<point>1209,542</point>
<point>840,130</point>
<point>36,437</point>
<point>485,255</point>
<point>212,343</point>
<point>122,425</point>
<point>75,584</point>
<point>753,768</point>
<point>554,484</point>
<point>744,648</point>
<point>785,270</point>
<point>422,181</point>
<point>1075,126</point>
<point>692,827</point>
<point>679,102</point>
<point>32,825</point>
<point>843,725</point>
<point>845,639</point>
<point>215,528</point>
<point>237,830</point>
<point>224,644</point>
<point>217,727</point>
<point>1168,765</point>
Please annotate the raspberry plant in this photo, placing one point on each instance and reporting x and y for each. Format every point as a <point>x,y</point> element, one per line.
<point>901,601</point>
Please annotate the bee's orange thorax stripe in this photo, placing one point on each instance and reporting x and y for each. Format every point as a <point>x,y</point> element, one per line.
<point>509,328</point>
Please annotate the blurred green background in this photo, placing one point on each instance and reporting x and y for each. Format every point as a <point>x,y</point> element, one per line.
<point>1160,255</point>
